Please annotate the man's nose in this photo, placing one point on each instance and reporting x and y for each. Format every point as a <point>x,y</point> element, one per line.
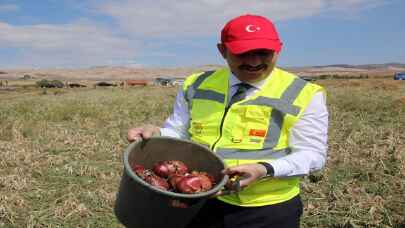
<point>252,59</point>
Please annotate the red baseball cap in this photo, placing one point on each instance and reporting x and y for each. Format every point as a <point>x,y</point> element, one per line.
<point>249,32</point>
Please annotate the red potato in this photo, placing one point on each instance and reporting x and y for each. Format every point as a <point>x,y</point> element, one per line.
<point>194,183</point>
<point>207,180</point>
<point>138,169</point>
<point>150,177</point>
<point>166,168</point>
<point>175,178</point>
<point>157,181</point>
<point>173,175</point>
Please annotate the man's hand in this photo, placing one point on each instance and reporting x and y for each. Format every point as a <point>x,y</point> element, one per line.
<point>143,132</point>
<point>241,176</point>
<point>248,173</point>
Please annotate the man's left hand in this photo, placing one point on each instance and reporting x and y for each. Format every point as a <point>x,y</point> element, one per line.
<point>248,173</point>
<point>245,174</point>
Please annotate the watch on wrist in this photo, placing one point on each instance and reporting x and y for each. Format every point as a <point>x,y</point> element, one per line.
<point>269,169</point>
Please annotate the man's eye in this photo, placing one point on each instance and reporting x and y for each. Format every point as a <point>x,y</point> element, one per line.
<point>243,55</point>
<point>263,54</point>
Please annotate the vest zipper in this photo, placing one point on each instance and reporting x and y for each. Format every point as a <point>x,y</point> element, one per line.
<point>220,128</point>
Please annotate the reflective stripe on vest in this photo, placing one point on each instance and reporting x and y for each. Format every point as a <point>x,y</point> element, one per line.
<point>194,93</point>
<point>262,154</point>
<point>209,95</point>
<point>281,107</point>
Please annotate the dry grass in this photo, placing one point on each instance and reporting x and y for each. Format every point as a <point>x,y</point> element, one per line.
<point>363,184</point>
<point>61,154</point>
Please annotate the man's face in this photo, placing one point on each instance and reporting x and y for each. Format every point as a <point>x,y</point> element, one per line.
<point>251,66</point>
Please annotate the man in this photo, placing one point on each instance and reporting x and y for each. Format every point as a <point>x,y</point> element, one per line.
<point>269,126</point>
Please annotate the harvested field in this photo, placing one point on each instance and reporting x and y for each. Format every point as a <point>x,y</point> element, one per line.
<point>61,154</point>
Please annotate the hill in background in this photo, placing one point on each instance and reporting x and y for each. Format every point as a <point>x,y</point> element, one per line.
<point>126,72</point>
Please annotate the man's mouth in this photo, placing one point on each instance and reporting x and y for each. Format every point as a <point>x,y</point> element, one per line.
<point>253,68</point>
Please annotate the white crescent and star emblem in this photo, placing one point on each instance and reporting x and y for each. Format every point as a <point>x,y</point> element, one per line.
<point>252,28</point>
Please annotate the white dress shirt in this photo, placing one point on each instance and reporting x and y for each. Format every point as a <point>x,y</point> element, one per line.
<point>308,137</point>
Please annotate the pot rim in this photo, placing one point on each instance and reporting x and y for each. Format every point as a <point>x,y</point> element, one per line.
<point>219,186</point>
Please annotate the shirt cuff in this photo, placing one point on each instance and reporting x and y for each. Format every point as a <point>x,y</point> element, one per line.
<point>281,167</point>
<point>169,133</point>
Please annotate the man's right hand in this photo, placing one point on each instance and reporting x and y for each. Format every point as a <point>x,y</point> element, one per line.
<point>143,132</point>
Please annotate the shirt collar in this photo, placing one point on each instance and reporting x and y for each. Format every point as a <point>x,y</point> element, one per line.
<point>233,80</point>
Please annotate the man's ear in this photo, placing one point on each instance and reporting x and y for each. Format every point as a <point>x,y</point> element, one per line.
<point>274,59</point>
<point>222,49</point>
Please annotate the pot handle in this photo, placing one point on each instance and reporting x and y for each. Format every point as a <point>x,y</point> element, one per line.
<point>233,186</point>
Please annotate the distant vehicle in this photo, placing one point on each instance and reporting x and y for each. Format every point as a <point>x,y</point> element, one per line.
<point>399,76</point>
<point>136,82</point>
<point>162,81</point>
<point>105,84</point>
<point>308,78</point>
<point>50,83</point>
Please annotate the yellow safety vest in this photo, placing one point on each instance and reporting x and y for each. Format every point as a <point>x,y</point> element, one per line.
<point>252,130</point>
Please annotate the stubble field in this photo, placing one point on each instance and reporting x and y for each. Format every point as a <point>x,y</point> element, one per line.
<point>61,152</point>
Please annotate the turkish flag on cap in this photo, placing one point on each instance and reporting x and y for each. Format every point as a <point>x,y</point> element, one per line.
<point>249,32</point>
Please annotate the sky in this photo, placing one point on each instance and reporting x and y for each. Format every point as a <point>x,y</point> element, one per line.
<point>176,33</point>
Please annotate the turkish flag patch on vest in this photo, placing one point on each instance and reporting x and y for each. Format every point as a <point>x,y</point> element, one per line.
<point>257,132</point>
